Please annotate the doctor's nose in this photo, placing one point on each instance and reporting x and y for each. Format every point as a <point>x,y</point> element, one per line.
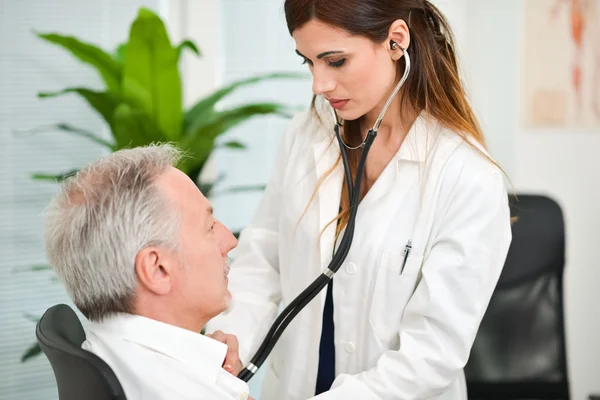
<point>322,83</point>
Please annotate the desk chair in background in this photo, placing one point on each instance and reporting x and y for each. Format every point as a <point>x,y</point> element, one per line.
<point>79,374</point>
<point>519,351</point>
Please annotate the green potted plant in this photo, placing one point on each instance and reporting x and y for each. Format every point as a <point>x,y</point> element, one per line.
<point>142,99</point>
<point>141,102</point>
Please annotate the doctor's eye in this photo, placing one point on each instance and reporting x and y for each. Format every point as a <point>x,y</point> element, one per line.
<point>337,64</point>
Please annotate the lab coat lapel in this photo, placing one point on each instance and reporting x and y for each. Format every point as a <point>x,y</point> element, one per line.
<point>326,154</point>
<point>402,171</point>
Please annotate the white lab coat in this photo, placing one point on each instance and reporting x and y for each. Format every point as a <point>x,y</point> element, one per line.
<point>397,335</point>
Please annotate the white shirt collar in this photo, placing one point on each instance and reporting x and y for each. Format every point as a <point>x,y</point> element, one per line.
<point>199,352</point>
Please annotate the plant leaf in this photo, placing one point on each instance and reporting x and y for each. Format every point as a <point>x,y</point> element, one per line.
<point>108,68</point>
<point>76,131</point>
<point>54,178</point>
<point>33,351</point>
<point>207,187</point>
<point>189,45</point>
<point>41,268</point>
<point>103,102</point>
<point>31,317</point>
<point>201,141</point>
<point>206,105</point>
<point>241,189</point>
<point>151,75</point>
<point>88,135</point>
<point>33,268</point>
<point>120,53</point>
<point>233,116</point>
<point>234,144</point>
<point>133,128</point>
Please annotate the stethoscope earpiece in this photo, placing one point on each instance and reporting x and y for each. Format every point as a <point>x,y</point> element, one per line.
<point>395,46</point>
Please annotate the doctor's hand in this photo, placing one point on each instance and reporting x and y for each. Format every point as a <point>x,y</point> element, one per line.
<point>232,363</point>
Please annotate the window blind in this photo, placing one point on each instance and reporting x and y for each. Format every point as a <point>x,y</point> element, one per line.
<point>29,65</point>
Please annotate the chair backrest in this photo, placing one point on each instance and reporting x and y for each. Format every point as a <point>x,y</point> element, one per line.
<point>520,345</point>
<point>79,374</point>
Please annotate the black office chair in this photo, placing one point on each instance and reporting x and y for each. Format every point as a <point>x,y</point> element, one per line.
<point>519,351</point>
<point>79,374</point>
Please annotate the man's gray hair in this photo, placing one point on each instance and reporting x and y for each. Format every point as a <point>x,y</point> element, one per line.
<point>101,218</point>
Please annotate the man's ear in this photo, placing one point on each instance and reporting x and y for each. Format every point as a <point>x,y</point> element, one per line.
<point>154,270</point>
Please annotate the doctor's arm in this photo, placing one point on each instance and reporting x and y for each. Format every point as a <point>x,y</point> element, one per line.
<point>440,321</point>
<point>254,276</point>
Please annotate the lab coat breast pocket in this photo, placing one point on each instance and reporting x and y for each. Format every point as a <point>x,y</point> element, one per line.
<point>393,289</point>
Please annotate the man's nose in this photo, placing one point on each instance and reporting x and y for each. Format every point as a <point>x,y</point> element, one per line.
<point>228,241</point>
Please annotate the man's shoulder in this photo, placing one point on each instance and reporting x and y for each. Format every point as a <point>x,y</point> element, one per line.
<point>145,372</point>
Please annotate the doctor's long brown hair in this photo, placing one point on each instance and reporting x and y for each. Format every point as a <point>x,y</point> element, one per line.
<point>434,83</point>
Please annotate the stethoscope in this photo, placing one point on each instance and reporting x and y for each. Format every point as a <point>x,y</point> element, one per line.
<point>339,256</point>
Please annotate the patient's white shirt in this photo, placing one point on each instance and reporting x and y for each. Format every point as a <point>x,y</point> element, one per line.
<point>157,361</point>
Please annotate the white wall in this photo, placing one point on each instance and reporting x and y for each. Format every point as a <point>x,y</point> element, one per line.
<point>492,72</point>
<point>565,166</point>
<point>562,164</point>
<point>199,21</point>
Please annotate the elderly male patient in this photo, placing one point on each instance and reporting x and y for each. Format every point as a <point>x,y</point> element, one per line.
<point>137,247</point>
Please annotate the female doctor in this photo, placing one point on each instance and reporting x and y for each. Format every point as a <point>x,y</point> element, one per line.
<point>432,228</point>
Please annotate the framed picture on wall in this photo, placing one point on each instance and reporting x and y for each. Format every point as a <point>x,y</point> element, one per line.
<point>561,64</point>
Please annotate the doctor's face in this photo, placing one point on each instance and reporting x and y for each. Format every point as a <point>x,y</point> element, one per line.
<point>352,72</point>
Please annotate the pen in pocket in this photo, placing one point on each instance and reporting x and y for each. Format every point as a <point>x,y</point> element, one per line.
<point>406,253</point>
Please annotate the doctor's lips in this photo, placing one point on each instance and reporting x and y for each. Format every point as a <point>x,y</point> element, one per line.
<point>338,103</point>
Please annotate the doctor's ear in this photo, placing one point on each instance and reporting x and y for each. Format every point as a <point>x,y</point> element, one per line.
<point>398,39</point>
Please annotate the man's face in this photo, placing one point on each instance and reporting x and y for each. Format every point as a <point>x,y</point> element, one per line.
<point>200,285</point>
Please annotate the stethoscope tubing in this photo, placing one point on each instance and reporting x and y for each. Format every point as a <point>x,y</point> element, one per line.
<point>308,294</point>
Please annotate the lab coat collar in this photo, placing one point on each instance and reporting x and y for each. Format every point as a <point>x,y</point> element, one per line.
<point>418,143</point>
<point>200,352</point>
<point>329,192</point>
<point>420,139</point>
<point>416,146</point>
